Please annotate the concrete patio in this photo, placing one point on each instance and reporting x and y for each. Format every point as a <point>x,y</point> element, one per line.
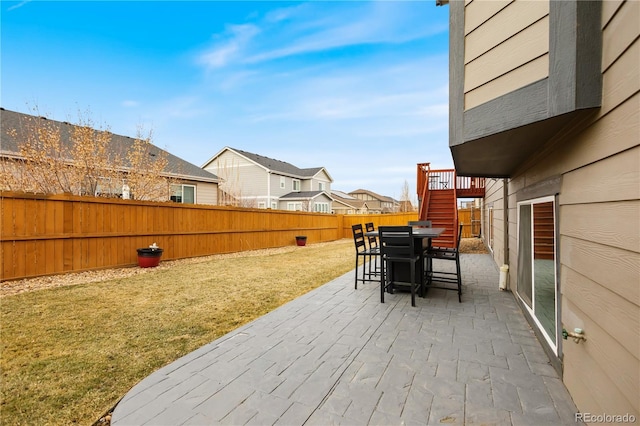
<point>338,356</point>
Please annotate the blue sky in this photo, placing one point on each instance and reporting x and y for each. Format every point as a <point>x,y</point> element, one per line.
<point>360,88</point>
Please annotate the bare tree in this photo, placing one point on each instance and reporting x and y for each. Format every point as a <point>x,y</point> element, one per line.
<point>146,164</point>
<point>405,199</point>
<point>230,189</point>
<point>81,159</point>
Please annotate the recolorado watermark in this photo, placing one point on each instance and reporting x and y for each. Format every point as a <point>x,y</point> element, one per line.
<point>605,418</point>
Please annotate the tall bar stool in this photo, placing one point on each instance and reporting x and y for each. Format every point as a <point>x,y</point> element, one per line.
<point>442,279</point>
<point>374,247</point>
<point>362,252</point>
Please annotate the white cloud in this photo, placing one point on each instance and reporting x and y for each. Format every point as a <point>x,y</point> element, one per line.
<point>16,6</point>
<point>235,40</point>
<point>316,27</point>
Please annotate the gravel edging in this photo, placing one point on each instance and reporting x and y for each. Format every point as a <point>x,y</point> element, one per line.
<point>11,288</point>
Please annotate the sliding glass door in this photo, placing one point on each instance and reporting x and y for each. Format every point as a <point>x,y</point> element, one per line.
<point>537,283</point>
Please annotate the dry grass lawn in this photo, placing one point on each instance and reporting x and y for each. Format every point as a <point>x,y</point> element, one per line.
<point>72,349</point>
<point>69,353</point>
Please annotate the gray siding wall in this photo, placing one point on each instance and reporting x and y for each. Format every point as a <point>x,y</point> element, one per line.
<point>240,177</point>
<point>207,193</point>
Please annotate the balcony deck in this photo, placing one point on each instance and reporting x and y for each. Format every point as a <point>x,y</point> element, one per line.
<point>338,356</point>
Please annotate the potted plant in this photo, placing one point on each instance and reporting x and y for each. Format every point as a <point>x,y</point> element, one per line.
<point>149,257</point>
<point>301,240</point>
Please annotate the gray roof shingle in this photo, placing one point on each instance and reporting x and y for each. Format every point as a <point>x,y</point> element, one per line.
<point>279,166</point>
<point>9,145</point>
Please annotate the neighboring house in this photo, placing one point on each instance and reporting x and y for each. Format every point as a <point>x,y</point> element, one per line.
<point>545,101</point>
<point>252,180</point>
<point>376,203</point>
<point>190,183</point>
<point>344,203</point>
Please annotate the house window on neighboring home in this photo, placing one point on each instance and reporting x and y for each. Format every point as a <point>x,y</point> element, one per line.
<point>262,205</point>
<point>296,207</point>
<point>296,185</point>
<point>321,207</point>
<point>537,284</point>
<point>274,205</point>
<point>320,186</point>
<point>185,194</point>
<point>282,182</point>
<point>108,187</point>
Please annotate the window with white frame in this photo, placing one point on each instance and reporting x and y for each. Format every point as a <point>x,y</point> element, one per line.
<point>295,184</point>
<point>282,182</point>
<point>320,186</point>
<point>295,206</point>
<point>274,205</point>
<point>262,205</point>
<point>321,207</point>
<point>185,194</point>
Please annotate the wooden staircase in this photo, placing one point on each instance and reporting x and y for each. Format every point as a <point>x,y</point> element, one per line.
<point>438,192</point>
<point>443,213</point>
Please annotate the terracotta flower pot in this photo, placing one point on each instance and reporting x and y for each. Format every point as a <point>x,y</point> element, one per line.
<point>149,257</point>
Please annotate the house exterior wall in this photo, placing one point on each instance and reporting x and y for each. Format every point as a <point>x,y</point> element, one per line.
<point>493,219</point>
<point>240,177</point>
<point>321,177</point>
<point>206,193</point>
<point>592,167</point>
<point>276,190</point>
<point>321,199</point>
<point>506,47</point>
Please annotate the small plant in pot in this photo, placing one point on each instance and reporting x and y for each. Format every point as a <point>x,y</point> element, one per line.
<point>301,240</point>
<point>149,257</point>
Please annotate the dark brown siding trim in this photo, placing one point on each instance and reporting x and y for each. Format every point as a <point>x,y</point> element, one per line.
<point>522,106</point>
<point>575,53</point>
<point>456,72</point>
<point>544,188</point>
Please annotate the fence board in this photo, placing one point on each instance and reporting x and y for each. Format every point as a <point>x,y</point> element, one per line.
<point>470,218</point>
<point>45,235</point>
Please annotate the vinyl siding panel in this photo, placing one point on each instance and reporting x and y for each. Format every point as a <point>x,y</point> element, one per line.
<point>494,198</point>
<point>506,48</point>
<point>515,52</point>
<point>620,32</point>
<point>479,11</point>
<point>207,193</point>
<point>276,191</point>
<point>521,76</point>
<point>614,224</point>
<point>239,177</point>
<point>593,371</point>
<point>511,20</point>
<point>612,179</point>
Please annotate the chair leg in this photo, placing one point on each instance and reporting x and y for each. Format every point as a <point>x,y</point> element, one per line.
<point>459,279</point>
<point>356,287</point>
<point>413,284</point>
<point>382,283</point>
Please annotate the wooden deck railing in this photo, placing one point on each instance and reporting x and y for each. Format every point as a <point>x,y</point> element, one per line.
<point>432,179</point>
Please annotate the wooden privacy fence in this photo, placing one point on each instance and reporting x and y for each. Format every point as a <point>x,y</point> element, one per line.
<point>46,235</point>
<point>470,217</point>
